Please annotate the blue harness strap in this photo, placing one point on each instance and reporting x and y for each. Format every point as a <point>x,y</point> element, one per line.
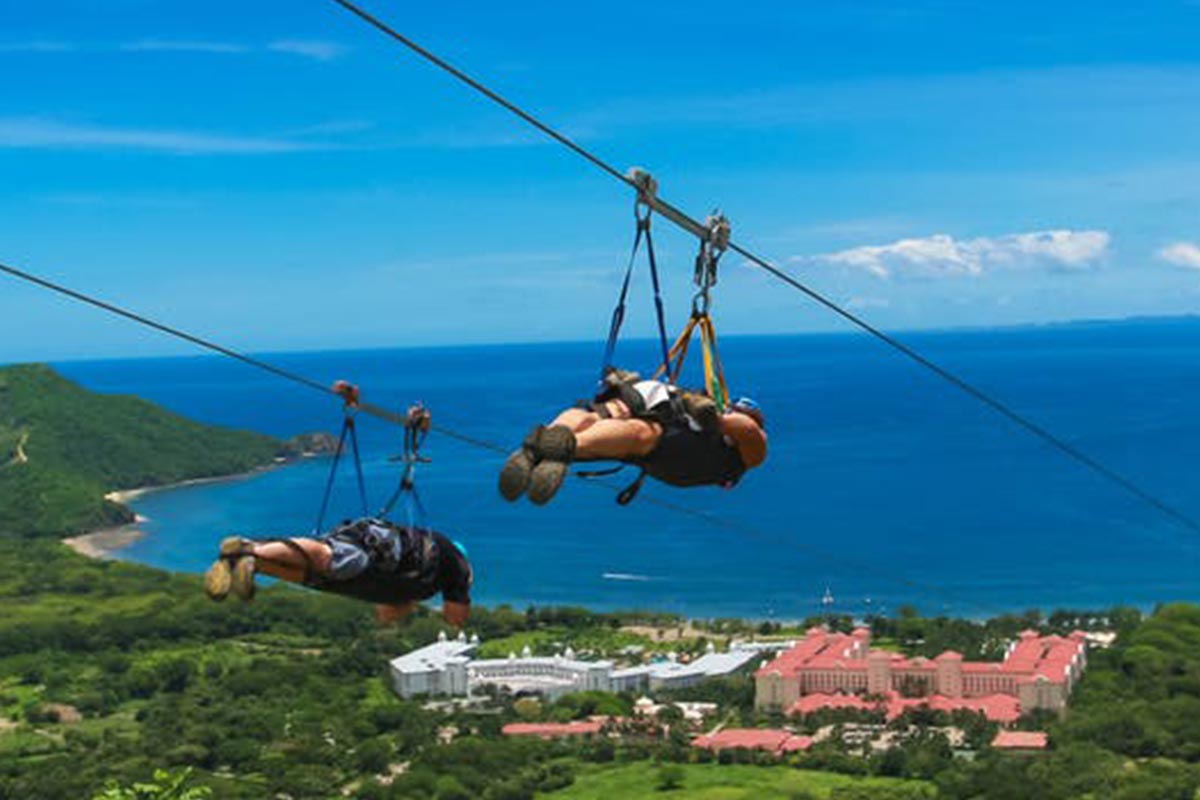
<point>618,315</point>
<point>658,303</point>
<point>348,432</point>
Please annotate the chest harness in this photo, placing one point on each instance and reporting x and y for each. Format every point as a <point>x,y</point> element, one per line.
<point>692,451</point>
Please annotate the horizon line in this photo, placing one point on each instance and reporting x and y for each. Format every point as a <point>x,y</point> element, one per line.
<point>935,330</point>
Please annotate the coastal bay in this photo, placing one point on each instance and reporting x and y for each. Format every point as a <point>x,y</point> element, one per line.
<point>882,488</point>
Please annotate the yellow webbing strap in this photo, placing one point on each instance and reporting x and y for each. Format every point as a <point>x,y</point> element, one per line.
<point>714,372</point>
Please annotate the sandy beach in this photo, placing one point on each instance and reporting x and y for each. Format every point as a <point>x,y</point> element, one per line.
<point>126,496</point>
<point>105,544</point>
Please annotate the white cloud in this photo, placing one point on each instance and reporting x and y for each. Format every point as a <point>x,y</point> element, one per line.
<point>1181,254</point>
<point>863,303</point>
<point>942,256</point>
<point>182,46</point>
<point>37,46</point>
<point>309,48</point>
<point>18,133</point>
<point>316,49</point>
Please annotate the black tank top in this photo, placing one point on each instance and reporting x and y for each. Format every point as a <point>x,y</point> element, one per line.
<point>685,457</point>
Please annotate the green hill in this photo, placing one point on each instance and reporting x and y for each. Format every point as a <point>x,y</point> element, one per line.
<point>62,448</point>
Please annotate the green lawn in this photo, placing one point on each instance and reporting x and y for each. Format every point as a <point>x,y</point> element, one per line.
<point>545,641</point>
<point>715,782</point>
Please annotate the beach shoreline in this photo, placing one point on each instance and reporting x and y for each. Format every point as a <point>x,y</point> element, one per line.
<point>106,543</point>
<point>127,496</point>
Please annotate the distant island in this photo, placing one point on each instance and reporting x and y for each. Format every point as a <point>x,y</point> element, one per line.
<point>65,451</point>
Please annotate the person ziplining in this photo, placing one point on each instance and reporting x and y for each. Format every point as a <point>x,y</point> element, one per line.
<point>674,435</point>
<point>371,558</point>
<point>678,436</point>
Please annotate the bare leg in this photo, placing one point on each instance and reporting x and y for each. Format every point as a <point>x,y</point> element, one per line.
<point>576,419</point>
<point>617,439</point>
<point>280,560</point>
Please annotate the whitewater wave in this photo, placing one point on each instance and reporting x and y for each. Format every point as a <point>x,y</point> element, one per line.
<point>625,576</point>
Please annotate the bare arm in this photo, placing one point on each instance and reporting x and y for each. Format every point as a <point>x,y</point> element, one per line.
<point>750,440</point>
<point>455,614</point>
<point>385,614</point>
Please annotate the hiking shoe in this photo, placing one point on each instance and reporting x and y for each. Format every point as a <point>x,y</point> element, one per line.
<point>702,409</point>
<point>234,546</point>
<point>218,580</point>
<point>242,580</point>
<point>514,477</point>
<point>614,377</point>
<point>556,449</point>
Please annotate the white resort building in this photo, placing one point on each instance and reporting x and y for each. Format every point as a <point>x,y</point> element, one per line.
<point>445,668</point>
<point>673,674</point>
<point>552,676</point>
<point>436,669</point>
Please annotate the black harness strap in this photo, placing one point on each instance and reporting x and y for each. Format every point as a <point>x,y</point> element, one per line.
<point>416,428</point>
<point>660,314</point>
<point>626,495</point>
<point>350,433</point>
<point>618,316</point>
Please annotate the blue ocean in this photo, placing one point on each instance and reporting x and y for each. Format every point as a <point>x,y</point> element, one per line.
<point>884,486</point>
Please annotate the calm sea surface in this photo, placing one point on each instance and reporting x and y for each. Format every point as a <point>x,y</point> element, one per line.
<point>884,484</point>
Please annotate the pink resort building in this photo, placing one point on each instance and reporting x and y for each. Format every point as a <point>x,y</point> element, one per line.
<point>842,670</point>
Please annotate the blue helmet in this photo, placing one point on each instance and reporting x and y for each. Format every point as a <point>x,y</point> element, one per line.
<point>751,409</point>
<point>745,403</point>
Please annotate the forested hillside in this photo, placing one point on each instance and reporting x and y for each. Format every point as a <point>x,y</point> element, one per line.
<point>62,448</point>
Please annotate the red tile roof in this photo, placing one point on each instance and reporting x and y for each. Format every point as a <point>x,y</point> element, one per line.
<point>552,730</point>
<point>771,741</point>
<point>796,743</point>
<point>1048,657</point>
<point>815,702</point>
<point>1020,740</point>
<point>997,707</point>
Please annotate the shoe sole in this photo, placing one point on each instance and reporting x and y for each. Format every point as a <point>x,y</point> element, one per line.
<point>514,477</point>
<point>232,546</point>
<point>546,480</point>
<point>242,580</point>
<point>556,443</point>
<point>218,580</point>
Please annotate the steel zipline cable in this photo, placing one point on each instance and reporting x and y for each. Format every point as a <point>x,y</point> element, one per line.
<point>695,227</point>
<point>394,418</point>
<point>370,409</point>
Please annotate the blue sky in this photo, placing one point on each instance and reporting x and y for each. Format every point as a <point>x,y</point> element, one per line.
<point>281,177</point>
